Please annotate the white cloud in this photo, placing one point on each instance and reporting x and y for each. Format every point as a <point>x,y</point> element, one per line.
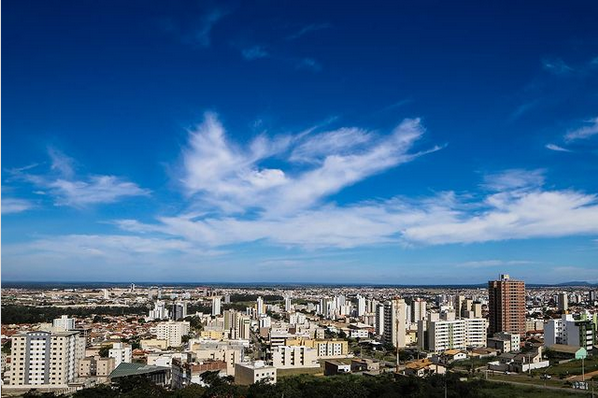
<point>587,131</point>
<point>309,64</point>
<point>554,147</point>
<point>61,163</point>
<point>337,142</point>
<point>556,66</point>
<point>514,179</point>
<point>493,263</point>
<point>255,52</point>
<point>203,34</point>
<point>443,219</point>
<point>97,189</point>
<point>13,205</point>
<point>70,190</point>
<point>220,174</point>
<point>307,29</point>
<point>105,251</point>
<point>515,215</point>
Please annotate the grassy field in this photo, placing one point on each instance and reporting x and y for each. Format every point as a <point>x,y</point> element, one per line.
<point>300,371</point>
<point>571,368</point>
<point>498,390</point>
<point>528,380</point>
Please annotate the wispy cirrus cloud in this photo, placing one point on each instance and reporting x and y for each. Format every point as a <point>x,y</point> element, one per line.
<point>68,189</point>
<point>514,179</point>
<point>254,52</point>
<point>202,35</point>
<point>309,64</point>
<point>308,29</point>
<point>444,219</point>
<point>588,130</point>
<point>288,206</point>
<point>222,174</point>
<point>556,66</point>
<point>493,263</point>
<point>554,147</point>
<point>15,205</point>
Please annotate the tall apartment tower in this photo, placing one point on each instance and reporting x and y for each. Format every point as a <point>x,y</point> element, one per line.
<point>563,302</point>
<point>506,306</point>
<point>40,358</point>
<point>395,323</point>
<point>216,302</point>
<point>260,306</point>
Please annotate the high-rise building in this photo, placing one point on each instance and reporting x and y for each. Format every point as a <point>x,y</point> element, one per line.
<point>64,323</point>
<point>506,306</point>
<point>563,302</point>
<point>39,358</point>
<point>260,306</point>
<point>159,312</point>
<point>360,305</point>
<point>179,310</point>
<point>395,323</point>
<point>243,328</point>
<point>458,305</point>
<point>418,310</point>
<point>379,319</point>
<point>216,301</point>
<point>288,305</point>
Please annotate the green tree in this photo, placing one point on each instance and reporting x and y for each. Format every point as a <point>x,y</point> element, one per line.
<point>105,350</point>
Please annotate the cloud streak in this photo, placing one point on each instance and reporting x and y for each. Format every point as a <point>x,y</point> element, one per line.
<point>554,147</point>
<point>589,130</point>
<point>308,29</point>
<point>221,174</point>
<point>14,205</point>
<point>69,190</point>
<point>202,35</point>
<point>254,52</point>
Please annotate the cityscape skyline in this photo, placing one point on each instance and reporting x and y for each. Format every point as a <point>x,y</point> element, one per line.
<point>240,143</point>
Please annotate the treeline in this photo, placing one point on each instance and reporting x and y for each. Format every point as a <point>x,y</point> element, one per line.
<point>27,314</point>
<point>387,385</point>
<point>268,298</point>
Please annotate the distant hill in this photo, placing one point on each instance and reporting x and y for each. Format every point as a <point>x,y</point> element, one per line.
<point>577,283</point>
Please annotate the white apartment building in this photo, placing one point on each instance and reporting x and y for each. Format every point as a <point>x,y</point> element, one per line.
<point>360,305</point>
<point>418,310</point>
<point>379,324</point>
<point>288,304</point>
<point>216,304</point>
<point>285,357</point>
<point>121,353</point>
<point>64,323</point>
<point>42,358</point>
<point>260,306</point>
<point>458,334</point>
<point>172,332</point>
<point>567,330</point>
<point>159,312</point>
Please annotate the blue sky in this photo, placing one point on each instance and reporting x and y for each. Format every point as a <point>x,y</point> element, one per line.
<point>385,142</point>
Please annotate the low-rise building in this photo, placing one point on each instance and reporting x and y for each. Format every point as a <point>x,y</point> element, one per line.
<point>248,373</point>
<point>287,357</point>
